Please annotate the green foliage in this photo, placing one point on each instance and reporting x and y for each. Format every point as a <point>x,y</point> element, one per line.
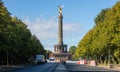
<point>72,51</point>
<point>102,43</point>
<point>17,44</point>
<point>48,52</point>
<point>101,16</point>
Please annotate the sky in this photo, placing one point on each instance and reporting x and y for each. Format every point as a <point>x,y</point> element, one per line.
<point>41,17</point>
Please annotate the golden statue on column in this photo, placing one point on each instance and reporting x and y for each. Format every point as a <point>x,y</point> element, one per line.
<point>60,9</point>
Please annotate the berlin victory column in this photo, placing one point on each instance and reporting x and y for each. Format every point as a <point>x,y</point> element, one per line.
<point>60,49</point>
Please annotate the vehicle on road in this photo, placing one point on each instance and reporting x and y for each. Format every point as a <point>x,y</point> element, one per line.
<point>40,59</point>
<point>51,58</point>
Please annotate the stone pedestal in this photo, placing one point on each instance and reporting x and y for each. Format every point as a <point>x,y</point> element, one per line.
<point>60,48</point>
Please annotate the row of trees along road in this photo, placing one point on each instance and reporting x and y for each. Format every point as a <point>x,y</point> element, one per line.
<point>17,44</point>
<point>102,42</point>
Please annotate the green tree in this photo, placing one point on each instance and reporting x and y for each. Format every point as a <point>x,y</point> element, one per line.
<point>102,42</point>
<point>101,16</point>
<point>72,51</point>
<point>17,44</point>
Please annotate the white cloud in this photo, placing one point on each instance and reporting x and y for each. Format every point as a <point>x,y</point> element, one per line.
<point>47,29</point>
<point>72,27</point>
<point>42,28</point>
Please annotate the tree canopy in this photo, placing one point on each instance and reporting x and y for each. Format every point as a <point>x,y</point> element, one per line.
<point>102,42</point>
<point>72,51</point>
<point>17,44</point>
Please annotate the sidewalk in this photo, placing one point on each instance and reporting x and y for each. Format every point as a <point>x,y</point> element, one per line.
<point>60,68</point>
<point>108,67</point>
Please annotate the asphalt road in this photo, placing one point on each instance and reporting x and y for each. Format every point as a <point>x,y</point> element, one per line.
<point>48,67</point>
<point>59,67</point>
<point>72,67</point>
